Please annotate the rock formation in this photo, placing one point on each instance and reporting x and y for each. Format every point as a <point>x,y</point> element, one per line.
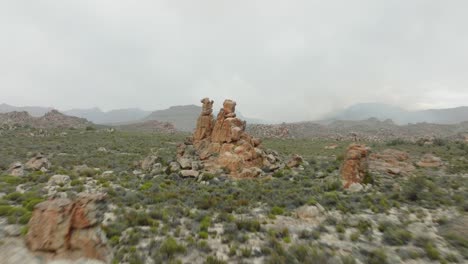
<point>355,165</point>
<point>205,122</point>
<point>223,144</point>
<point>38,162</point>
<point>65,229</point>
<point>391,161</point>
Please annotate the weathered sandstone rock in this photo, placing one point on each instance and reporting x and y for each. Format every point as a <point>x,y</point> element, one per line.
<point>66,229</point>
<point>355,165</point>
<point>223,144</point>
<point>391,161</point>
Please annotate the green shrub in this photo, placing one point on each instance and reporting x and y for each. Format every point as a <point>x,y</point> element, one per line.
<point>277,210</point>
<point>396,236</point>
<point>203,235</point>
<point>377,256</point>
<point>248,225</point>
<point>214,260</point>
<point>431,251</point>
<point>170,247</point>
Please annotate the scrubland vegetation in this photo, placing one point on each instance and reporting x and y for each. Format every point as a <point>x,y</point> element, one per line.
<point>162,217</point>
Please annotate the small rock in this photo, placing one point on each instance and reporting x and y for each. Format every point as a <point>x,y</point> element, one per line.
<point>189,173</point>
<point>174,166</point>
<point>355,187</point>
<point>59,180</point>
<point>102,149</point>
<point>12,230</point>
<point>185,163</point>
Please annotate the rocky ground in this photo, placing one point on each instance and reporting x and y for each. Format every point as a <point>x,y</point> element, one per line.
<point>411,206</point>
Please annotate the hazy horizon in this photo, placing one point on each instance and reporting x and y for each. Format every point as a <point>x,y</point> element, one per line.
<point>280,60</point>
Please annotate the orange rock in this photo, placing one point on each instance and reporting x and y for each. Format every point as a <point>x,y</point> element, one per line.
<point>50,225</point>
<point>61,228</point>
<point>355,165</point>
<point>205,122</point>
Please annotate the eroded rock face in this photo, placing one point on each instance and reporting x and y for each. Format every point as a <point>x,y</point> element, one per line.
<point>355,165</point>
<point>223,144</point>
<point>391,161</point>
<point>66,229</point>
<point>38,162</point>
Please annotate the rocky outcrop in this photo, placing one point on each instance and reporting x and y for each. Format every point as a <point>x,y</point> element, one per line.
<point>205,122</point>
<point>391,161</point>
<point>355,165</point>
<point>38,162</point>
<point>429,161</point>
<point>65,229</point>
<point>223,145</point>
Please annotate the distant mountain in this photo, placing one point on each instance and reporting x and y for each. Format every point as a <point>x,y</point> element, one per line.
<point>400,115</point>
<point>117,116</point>
<point>184,117</point>
<point>52,119</point>
<point>36,111</point>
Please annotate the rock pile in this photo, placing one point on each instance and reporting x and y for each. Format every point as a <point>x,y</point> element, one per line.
<point>355,165</point>
<point>65,229</point>
<point>391,161</point>
<point>223,145</point>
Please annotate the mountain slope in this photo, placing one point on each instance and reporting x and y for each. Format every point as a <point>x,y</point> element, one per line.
<point>98,116</point>
<point>184,117</point>
<point>36,111</point>
<point>400,115</point>
<point>52,119</point>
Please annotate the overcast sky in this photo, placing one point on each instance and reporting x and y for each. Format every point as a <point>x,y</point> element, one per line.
<point>280,60</point>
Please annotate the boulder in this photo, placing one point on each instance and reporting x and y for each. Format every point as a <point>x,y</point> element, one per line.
<point>189,173</point>
<point>12,230</point>
<point>355,165</point>
<point>38,162</point>
<point>391,161</point>
<point>295,161</point>
<point>49,225</point>
<point>185,163</point>
<point>429,161</point>
<point>66,229</point>
<point>60,180</point>
<point>174,167</point>
<point>16,169</point>
<point>148,162</point>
